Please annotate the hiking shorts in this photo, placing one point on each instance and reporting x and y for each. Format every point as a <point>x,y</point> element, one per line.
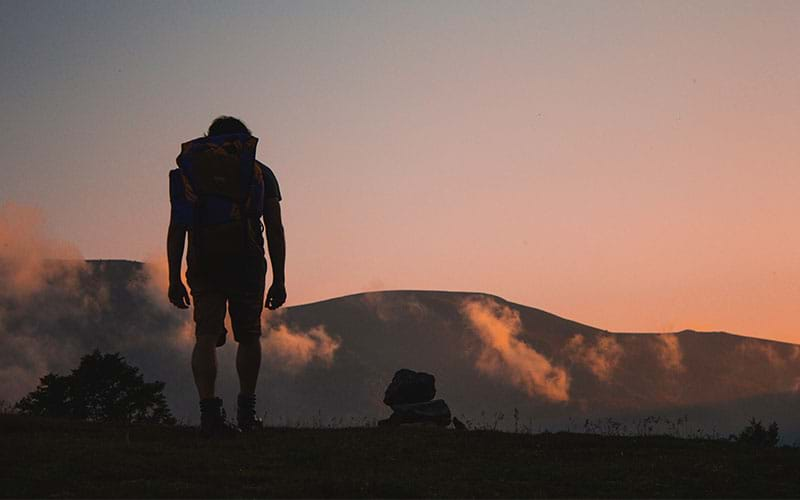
<point>242,298</point>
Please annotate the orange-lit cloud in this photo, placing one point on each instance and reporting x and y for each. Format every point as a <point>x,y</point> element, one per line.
<point>768,352</point>
<point>38,275</point>
<point>41,273</point>
<point>601,358</point>
<point>388,309</point>
<point>48,289</point>
<point>156,281</point>
<point>505,356</point>
<point>670,354</point>
<point>26,252</point>
<point>291,350</point>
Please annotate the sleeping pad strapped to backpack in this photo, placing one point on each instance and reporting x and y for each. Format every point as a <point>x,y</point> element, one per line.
<point>224,188</point>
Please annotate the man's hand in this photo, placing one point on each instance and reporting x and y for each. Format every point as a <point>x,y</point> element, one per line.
<point>276,296</point>
<point>178,295</point>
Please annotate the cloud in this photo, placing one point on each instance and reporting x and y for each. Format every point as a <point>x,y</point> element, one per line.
<point>389,308</point>
<point>155,280</point>
<point>505,356</point>
<point>291,350</point>
<point>766,351</point>
<point>601,358</point>
<point>56,307</point>
<point>670,354</point>
<point>39,276</point>
<point>29,259</point>
<point>152,284</point>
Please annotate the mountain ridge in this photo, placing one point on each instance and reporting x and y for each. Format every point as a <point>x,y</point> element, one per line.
<point>140,265</point>
<point>334,357</point>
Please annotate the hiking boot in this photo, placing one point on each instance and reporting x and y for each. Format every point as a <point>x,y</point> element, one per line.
<point>246,413</point>
<point>213,422</point>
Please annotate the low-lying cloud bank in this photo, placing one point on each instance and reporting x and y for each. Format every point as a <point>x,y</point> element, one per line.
<point>56,307</point>
<point>505,356</point>
<point>391,309</point>
<point>28,258</point>
<point>768,352</point>
<point>37,276</point>
<point>292,350</point>
<point>601,357</point>
<point>669,352</point>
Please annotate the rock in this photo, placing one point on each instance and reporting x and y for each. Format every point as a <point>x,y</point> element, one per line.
<point>430,412</point>
<point>459,425</point>
<point>408,387</point>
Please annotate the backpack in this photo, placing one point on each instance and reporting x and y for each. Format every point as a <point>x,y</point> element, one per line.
<point>225,187</point>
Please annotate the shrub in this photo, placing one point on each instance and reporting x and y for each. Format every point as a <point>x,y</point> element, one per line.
<point>104,388</point>
<point>756,435</point>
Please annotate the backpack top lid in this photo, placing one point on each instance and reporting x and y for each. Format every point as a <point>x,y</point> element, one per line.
<point>219,165</point>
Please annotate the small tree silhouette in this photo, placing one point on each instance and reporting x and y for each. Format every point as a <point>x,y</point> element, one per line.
<point>755,434</point>
<point>104,388</point>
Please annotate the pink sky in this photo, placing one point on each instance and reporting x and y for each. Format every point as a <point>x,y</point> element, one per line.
<point>630,165</point>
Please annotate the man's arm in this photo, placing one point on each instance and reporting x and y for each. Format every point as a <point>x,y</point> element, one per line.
<point>276,244</point>
<point>176,239</point>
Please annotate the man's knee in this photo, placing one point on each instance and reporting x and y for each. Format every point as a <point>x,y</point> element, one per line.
<point>206,342</point>
<point>249,341</point>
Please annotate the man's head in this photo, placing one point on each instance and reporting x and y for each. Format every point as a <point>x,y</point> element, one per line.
<point>228,125</point>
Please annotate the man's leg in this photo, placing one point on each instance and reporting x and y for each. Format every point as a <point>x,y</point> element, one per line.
<point>248,363</point>
<point>204,365</point>
<point>209,318</point>
<point>245,309</point>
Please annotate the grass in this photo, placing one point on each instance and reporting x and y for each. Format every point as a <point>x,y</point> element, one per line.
<point>56,458</point>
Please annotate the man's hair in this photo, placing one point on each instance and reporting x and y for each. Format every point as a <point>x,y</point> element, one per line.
<point>228,125</point>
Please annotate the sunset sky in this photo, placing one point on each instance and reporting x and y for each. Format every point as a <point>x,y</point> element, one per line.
<point>630,165</point>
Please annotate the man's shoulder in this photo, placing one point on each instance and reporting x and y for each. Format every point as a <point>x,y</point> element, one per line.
<point>176,176</point>
<point>265,169</point>
<point>271,187</point>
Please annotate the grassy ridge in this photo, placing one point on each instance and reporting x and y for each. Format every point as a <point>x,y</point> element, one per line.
<point>45,458</point>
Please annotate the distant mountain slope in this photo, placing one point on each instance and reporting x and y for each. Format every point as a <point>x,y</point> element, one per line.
<point>608,373</point>
<point>330,361</point>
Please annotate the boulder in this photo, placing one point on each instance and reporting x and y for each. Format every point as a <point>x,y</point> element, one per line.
<point>409,387</point>
<point>434,412</point>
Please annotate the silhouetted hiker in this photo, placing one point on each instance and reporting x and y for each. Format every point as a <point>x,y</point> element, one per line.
<point>218,193</point>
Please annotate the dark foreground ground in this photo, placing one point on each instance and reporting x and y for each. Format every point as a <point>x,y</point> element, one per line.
<point>50,458</point>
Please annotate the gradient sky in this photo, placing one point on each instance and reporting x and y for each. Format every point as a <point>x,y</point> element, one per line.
<point>630,165</point>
